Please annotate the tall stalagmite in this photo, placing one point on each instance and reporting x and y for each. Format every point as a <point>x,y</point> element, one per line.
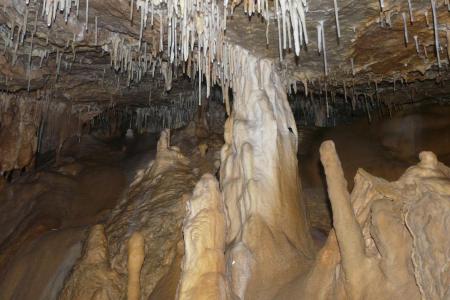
<point>268,234</point>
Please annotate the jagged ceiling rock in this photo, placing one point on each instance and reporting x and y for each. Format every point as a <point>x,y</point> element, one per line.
<point>96,46</point>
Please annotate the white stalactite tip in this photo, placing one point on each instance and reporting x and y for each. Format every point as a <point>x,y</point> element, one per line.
<point>411,15</point>
<point>352,63</point>
<point>436,32</point>
<point>405,28</point>
<point>416,43</point>
<point>336,15</point>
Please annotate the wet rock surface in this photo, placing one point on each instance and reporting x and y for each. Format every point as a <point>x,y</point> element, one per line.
<point>154,206</point>
<point>74,74</point>
<point>45,215</point>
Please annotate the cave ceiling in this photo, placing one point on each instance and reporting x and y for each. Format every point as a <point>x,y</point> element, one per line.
<point>78,57</point>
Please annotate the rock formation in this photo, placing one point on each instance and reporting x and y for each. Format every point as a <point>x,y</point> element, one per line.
<point>93,277</point>
<point>267,231</point>
<point>155,207</point>
<point>388,239</point>
<point>136,258</point>
<point>203,270</point>
<point>73,70</point>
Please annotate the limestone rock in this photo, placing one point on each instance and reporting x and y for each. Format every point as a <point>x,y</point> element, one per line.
<point>389,237</point>
<point>155,207</point>
<point>267,228</point>
<point>204,271</point>
<point>93,277</point>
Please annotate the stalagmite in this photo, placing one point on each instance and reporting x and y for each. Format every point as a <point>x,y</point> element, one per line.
<point>203,269</point>
<point>374,250</point>
<point>269,242</point>
<point>136,256</point>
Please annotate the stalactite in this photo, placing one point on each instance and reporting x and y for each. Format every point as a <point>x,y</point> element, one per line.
<point>208,38</point>
<point>280,50</point>
<point>352,63</point>
<point>405,29</point>
<point>367,108</point>
<point>174,114</point>
<point>161,30</point>
<point>411,15</point>
<point>24,26</point>
<point>416,43</point>
<point>16,47</point>
<point>199,78</point>
<point>319,37</point>
<point>96,31</point>
<point>345,90</point>
<point>327,107</point>
<point>58,63</point>
<point>336,15</point>
<point>131,10</point>
<point>87,15</point>
<point>323,46</point>
<point>436,32</point>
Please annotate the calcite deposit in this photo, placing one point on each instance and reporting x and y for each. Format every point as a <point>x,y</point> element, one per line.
<point>388,238</point>
<point>188,149</point>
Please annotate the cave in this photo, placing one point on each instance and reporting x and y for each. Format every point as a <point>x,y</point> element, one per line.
<point>232,150</point>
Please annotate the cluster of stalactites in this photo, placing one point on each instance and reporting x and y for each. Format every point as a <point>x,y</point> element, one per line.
<point>291,24</point>
<point>177,113</point>
<point>174,113</point>
<point>131,59</point>
<point>191,31</point>
<point>411,16</point>
<point>51,8</point>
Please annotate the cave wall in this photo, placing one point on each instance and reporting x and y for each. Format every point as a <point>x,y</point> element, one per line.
<point>33,123</point>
